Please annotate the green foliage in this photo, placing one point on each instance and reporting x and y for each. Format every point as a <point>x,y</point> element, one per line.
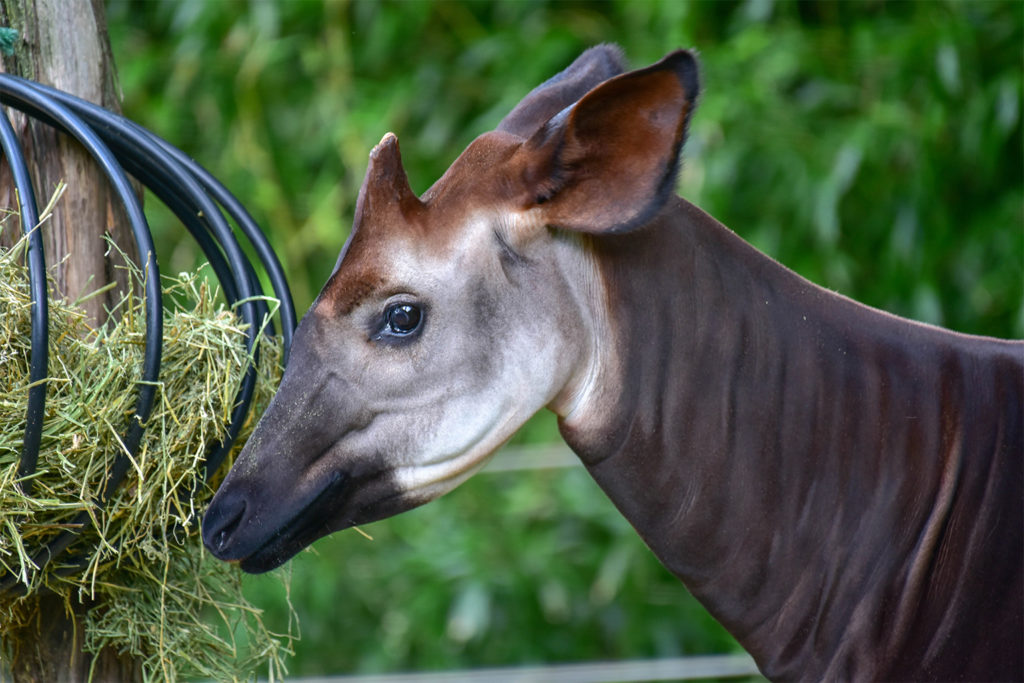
<point>880,154</point>
<point>874,147</point>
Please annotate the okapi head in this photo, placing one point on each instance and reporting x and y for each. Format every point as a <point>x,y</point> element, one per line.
<point>453,317</point>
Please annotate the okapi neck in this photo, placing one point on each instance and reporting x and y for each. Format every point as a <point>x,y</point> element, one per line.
<point>762,443</point>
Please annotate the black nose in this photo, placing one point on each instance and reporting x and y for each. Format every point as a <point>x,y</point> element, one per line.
<point>220,523</point>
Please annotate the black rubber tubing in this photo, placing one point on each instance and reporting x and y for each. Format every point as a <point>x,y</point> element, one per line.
<point>183,185</point>
<point>40,312</point>
<point>110,127</point>
<point>74,126</point>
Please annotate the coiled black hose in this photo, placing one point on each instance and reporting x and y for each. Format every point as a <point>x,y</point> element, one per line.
<point>199,201</point>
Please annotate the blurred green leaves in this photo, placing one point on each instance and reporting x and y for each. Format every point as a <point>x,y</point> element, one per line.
<point>875,147</point>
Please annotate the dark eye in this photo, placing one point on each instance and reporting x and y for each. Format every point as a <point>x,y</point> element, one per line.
<point>403,319</point>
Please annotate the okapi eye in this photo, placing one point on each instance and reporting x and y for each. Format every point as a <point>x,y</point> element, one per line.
<point>403,319</point>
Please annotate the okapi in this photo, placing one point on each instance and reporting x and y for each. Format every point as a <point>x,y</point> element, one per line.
<point>840,487</point>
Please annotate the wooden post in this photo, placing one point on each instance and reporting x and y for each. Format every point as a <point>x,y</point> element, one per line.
<point>64,43</point>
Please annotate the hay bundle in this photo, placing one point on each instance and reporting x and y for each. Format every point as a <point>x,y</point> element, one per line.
<point>157,594</point>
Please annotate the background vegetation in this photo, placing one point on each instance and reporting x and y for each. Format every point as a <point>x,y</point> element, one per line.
<point>874,147</point>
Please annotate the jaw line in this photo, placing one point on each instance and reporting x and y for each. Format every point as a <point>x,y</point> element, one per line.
<point>447,471</point>
<point>415,484</point>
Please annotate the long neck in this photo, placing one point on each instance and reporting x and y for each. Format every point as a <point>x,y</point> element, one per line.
<point>801,461</point>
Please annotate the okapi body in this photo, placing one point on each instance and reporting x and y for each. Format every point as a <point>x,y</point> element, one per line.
<point>842,488</point>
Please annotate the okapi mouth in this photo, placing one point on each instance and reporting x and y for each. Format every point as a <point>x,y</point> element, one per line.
<point>307,525</point>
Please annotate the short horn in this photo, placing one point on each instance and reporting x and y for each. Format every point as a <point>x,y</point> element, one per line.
<point>386,186</point>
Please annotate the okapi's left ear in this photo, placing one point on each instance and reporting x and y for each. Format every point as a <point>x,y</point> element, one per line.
<point>608,163</point>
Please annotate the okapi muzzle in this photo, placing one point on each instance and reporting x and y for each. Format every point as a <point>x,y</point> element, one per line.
<point>843,489</point>
<point>292,485</point>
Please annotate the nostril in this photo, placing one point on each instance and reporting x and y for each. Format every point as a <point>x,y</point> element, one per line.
<point>221,522</point>
<point>222,537</point>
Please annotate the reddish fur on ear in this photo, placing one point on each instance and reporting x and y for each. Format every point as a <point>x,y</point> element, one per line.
<point>609,162</point>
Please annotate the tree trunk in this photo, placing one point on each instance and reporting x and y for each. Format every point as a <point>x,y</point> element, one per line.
<point>64,44</point>
<point>50,649</point>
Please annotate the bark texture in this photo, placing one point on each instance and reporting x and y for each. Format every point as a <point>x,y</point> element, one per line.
<point>65,45</point>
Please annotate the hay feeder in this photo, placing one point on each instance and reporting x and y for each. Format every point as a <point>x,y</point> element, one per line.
<point>202,204</point>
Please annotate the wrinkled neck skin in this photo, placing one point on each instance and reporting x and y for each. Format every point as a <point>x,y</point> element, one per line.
<point>841,488</point>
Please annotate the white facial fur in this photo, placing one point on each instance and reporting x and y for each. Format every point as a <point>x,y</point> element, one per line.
<point>501,339</point>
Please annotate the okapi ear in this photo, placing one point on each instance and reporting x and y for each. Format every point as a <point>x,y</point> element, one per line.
<point>385,195</point>
<point>592,67</point>
<point>608,163</point>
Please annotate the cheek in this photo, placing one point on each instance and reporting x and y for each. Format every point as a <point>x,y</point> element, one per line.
<point>461,340</point>
<point>519,354</point>
<point>539,352</point>
<point>485,351</point>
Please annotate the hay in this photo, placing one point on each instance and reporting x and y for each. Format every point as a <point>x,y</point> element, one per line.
<point>157,594</point>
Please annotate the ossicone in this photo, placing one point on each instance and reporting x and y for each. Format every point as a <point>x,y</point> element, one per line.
<point>386,193</point>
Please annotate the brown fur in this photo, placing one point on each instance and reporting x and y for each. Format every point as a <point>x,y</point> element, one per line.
<point>842,488</point>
